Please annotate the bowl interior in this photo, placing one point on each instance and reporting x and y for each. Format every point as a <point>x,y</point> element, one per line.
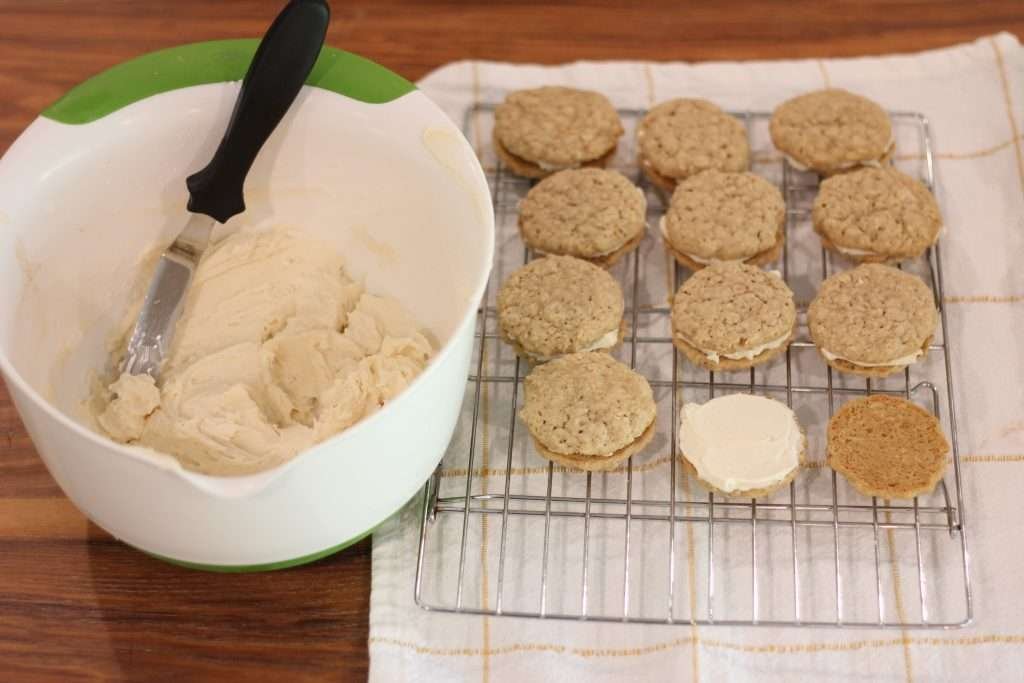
<point>85,210</point>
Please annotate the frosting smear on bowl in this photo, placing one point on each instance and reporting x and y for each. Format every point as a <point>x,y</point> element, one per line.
<point>276,350</point>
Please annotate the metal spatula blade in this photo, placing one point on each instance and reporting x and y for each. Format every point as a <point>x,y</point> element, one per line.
<point>151,337</point>
<point>279,67</point>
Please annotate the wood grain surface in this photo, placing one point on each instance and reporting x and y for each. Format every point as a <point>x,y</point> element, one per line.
<point>74,603</point>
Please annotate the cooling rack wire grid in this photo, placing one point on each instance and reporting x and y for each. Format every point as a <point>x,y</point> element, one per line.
<point>646,543</point>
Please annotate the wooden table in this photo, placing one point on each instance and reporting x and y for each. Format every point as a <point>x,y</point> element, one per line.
<point>75,602</point>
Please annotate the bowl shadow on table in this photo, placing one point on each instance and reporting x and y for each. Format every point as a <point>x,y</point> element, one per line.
<point>301,622</point>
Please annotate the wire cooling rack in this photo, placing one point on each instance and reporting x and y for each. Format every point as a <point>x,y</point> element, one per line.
<point>505,532</point>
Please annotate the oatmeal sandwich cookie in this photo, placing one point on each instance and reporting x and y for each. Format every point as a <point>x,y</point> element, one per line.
<point>543,130</point>
<point>741,445</point>
<point>875,215</point>
<point>731,316</point>
<point>589,213</point>
<point>557,305</point>
<point>873,320</point>
<point>719,216</point>
<point>887,446</point>
<point>588,411</point>
<point>680,138</point>
<point>831,130</point>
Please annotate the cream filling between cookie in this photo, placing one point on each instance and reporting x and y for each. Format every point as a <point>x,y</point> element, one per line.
<point>592,255</point>
<point>746,354</point>
<point>740,442</point>
<point>853,251</point>
<point>605,341</point>
<point>663,227</point>
<point>873,163</point>
<point>555,167</point>
<point>902,360</point>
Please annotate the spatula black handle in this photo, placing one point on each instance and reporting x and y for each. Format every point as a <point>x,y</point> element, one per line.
<point>280,66</point>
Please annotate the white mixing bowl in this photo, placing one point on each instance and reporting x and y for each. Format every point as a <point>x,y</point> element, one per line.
<point>96,183</point>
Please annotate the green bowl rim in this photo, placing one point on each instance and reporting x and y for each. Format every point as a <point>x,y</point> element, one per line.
<point>215,61</point>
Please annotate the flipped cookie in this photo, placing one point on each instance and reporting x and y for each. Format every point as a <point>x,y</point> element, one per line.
<point>589,213</point>
<point>588,411</point>
<point>717,216</point>
<point>543,130</point>
<point>873,320</point>
<point>680,138</point>
<point>558,305</point>
<point>731,316</point>
<point>876,214</point>
<point>887,447</point>
<point>831,130</point>
<point>741,445</point>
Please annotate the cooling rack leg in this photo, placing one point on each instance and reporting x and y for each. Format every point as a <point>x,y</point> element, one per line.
<point>586,549</point>
<point>796,563</point>
<point>711,557</point>
<point>920,563</point>
<point>508,481</point>
<point>878,563</point>
<point>753,559</point>
<point>547,534</point>
<point>672,486</point>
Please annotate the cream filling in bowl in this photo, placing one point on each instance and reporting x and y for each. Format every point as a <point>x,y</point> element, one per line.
<point>740,442</point>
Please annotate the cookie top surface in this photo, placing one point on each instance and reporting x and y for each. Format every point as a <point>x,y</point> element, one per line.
<point>730,307</point>
<point>557,126</point>
<point>872,314</point>
<point>557,305</point>
<point>878,210</point>
<point>587,404</point>
<point>585,212</point>
<point>724,216</point>
<point>681,137</point>
<point>828,130</point>
<point>887,446</point>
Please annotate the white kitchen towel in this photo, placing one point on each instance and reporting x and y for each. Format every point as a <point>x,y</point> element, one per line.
<point>973,97</point>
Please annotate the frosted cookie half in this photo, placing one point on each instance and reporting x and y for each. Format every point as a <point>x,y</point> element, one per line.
<point>741,445</point>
